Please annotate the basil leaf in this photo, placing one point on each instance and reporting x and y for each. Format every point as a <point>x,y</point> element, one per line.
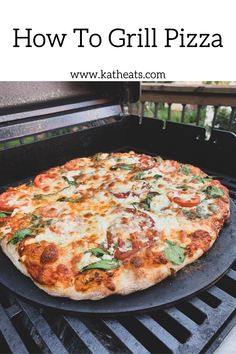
<point>19,235</point>
<point>4,214</point>
<point>185,170</point>
<point>47,222</point>
<point>77,200</point>
<point>114,168</point>
<point>70,200</point>
<point>138,176</point>
<point>35,219</point>
<point>214,192</point>
<point>135,204</point>
<point>38,196</point>
<point>203,179</point>
<point>97,156</point>
<point>37,222</point>
<point>122,166</point>
<point>199,179</point>
<point>174,253</point>
<point>104,264</point>
<point>41,196</point>
<point>157,176</point>
<point>145,203</point>
<point>71,183</point>
<point>63,199</point>
<point>189,214</point>
<point>183,188</point>
<point>97,251</point>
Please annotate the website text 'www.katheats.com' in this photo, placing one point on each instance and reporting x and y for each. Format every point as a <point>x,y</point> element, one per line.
<point>118,75</point>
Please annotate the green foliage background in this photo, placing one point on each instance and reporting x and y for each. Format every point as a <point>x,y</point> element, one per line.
<point>222,120</point>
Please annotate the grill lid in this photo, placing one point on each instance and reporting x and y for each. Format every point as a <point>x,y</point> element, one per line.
<point>29,108</point>
<point>24,96</point>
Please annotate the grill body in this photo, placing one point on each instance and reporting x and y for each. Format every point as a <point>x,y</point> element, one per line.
<point>196,325</point>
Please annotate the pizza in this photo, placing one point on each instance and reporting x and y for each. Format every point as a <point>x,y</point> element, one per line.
<point>112,223</point>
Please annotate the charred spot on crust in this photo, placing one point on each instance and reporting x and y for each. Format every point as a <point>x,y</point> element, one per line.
<point>48,276</point>
<point>88,279</point>
<point>199,239</point>
<point>159,258</point>
<point>22,246</point>
<point>65,274</point>
<point>50,254</point>
<point>199,235</point>
<point>34,270</point>
<point>110,285</point>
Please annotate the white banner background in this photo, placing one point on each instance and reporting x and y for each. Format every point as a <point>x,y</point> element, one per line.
<point>47,16</point>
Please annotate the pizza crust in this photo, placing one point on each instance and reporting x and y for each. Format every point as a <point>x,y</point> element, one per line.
<point>126,283</point>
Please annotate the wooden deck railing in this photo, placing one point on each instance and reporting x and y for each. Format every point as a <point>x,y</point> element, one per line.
<point>194,98</point>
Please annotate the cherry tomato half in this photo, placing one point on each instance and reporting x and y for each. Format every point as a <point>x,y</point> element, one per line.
<point>181,199</point>
<point>72,165</point>
<point>10,200</point>
<point>43,179</point>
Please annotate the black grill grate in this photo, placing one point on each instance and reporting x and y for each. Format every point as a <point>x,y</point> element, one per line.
<point>191,326</point>
<point>194,326</point>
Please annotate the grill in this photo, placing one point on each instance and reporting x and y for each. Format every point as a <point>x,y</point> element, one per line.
<point>96,124</point>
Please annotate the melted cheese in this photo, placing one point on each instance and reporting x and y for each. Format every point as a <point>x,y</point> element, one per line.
<point>130,159</point>
<point>18,200</point>
<point>152,172</point>
<point>120,187</point>
<point>64,231</point>
<point>168,223</point>
<point>159,203</point>
<point>87,259</point>
<point>71,174</point>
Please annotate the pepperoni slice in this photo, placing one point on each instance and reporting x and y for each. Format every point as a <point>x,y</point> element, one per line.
<point>130,230</point>
<point>120,190</point>
<point>184,198</point>
<point>10,200</point>
<point>121,195</point>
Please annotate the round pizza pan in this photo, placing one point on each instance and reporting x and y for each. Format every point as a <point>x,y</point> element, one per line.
<point>185,284</point>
